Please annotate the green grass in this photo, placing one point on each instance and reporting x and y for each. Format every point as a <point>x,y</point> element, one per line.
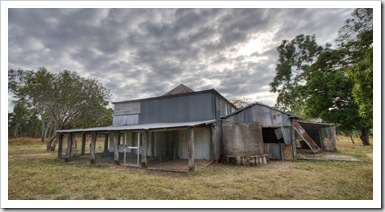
<point>34,173</point>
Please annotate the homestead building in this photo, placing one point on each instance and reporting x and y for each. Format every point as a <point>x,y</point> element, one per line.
<point>188,129</point>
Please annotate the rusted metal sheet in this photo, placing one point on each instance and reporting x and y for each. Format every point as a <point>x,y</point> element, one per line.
<point>286,134</point>
<point>287,152</point>
<point>274,151</point>
<point>309,141</point>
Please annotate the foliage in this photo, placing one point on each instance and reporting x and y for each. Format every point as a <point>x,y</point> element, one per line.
<point>23,121</point>
<point>335,85</point>
<point>356,40</point>
<point>65,98</point>
<point>295,57</point>
<point>241,102</point>
<point>328,92</point>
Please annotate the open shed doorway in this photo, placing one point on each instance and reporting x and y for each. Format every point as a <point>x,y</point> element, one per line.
<point>273,140</point>
<point>278,142</point>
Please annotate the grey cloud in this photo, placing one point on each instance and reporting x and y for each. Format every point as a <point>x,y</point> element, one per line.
<point>140,53</point>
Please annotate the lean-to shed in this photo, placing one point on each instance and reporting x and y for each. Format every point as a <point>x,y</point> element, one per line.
<point>259,131</point>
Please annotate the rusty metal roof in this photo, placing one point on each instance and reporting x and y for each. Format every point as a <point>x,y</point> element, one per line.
<point>263,105</point>
<point>179,89</point>
<point>152,126</point>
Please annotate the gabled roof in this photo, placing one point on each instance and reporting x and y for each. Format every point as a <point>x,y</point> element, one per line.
<point>260,104</point>
<point>179,89</point>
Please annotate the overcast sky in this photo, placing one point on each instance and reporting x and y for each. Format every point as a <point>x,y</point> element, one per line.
<point>140,53</point>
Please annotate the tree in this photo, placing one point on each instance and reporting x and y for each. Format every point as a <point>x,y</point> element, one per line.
<point>23,121</point>
<point>335,85</point>
<point>241,102</point>
<point>329,93</point>
<point>65,98</point>
<point>295,57</point>
<point>356,40</point>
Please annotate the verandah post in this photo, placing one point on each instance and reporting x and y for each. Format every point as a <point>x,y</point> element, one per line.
<point>144,148</point>
<point>116,147</point>
<point>92,149</point>
<point>190,145</point>
<point>83,143</point>
<point>69,147</point>
<point>60,150</point>
<point>106,142</point>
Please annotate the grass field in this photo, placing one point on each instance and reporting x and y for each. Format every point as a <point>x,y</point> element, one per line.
<point>34,173</point>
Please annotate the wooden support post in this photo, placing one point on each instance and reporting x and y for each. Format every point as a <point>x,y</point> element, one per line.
<point>144,148</point>
<point>293,141</point>
<point>190,145</point>
<point>60,150</point>
<point>92,149</point>
<point>84,136</point>
<point>106,143</point>
<point>213,139</point>
<point>111,140</point>
<point>69,148</point>
<point>116,147</point>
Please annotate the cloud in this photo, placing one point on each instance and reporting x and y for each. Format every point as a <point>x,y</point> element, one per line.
<point>139,53</point>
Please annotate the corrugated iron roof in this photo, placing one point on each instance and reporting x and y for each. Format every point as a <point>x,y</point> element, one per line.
<point>140,127</point>
<point>260,104</point>
<point>178,90</point>
<point>181,94</point>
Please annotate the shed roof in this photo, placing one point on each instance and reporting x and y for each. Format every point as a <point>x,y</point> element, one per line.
<point>180,94</point>
<point>151,126</point>
<point>178,90</point>
<point>263,105</point>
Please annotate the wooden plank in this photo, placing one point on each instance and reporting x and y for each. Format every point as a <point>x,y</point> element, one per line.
<point>106,142</point>
<point>69,148</point>
<point>116,147</point>
<point>60,150</point>
<point>287,152</point>
<point>293,142</point>
<point>144,148</point>
<point>83,143</point>
<point>212,142</point>
<point>92,148</point>
<point>190,148</point>
<point>313,146</point>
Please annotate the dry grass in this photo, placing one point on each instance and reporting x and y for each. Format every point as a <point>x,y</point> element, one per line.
<point>39,175</point>
<point>24,141</point>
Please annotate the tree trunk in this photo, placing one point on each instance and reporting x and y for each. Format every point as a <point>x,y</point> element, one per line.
<point>351,138</point>
<point>53,143</point>
<point>365,136</point>
<point>49,142</point>
<point>42,131</point>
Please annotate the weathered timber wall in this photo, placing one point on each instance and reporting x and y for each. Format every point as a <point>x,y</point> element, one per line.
<point>242,139</point>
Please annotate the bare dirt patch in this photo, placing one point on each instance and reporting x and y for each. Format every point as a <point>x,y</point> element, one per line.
<point>327,157</point>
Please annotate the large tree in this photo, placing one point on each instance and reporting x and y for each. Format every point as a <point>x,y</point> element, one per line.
<point>335,85</point>
<point>66,98</point>
<point>295,57</point>
<point>356,41</point>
